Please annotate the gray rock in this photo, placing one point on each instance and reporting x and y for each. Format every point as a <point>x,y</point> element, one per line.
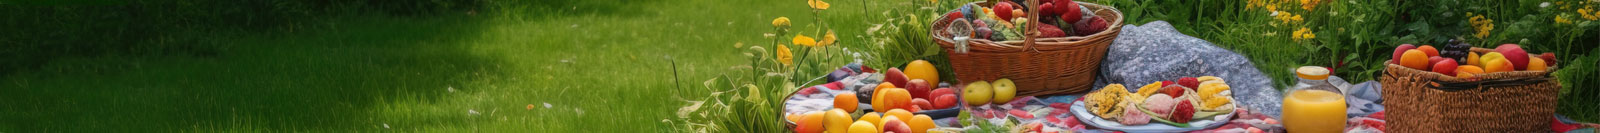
<point>1156,52</point>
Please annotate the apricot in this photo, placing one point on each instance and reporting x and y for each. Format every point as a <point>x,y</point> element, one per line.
<point>846,101</point>
<point>1414,59</point>
<point>1472,59</point>
<point>898,113</point>
<point>863,127</point>
<point>1467,71</point>
<point>1536,64</point>
<point>1498,65</point>
<point>872,117</point>
<point>920,123</point>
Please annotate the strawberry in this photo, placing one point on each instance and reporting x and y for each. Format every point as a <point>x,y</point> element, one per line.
<point>1047,9</point>
<point>1183,113</point>
<point>1047,30</point>
<point>1190,82</point>
<point>1093,25</point>
<point>1069,11</point>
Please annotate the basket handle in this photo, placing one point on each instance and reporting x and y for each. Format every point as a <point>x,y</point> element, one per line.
<point>1032,31</point>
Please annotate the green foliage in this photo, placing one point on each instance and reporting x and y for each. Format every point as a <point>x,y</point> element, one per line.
<point>1579,87</point>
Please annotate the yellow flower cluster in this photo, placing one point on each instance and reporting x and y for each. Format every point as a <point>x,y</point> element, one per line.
<point>1287,17</point>
<point>827,39</point>
<point>1309,4</point>
<point>1589,13</point>
<point>1481,24</point>
<point>804,40</point>
<point>1303,34</point>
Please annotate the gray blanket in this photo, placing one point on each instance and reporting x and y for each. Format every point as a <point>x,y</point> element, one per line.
<point>1157,52</point>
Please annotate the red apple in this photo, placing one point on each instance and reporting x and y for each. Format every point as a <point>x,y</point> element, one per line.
<point>945,101</point>
<point>1000,10</point>
<point>1401,50</point>
<point>1446,67</point>
<point>1435,59</point>
<point>1515,54</point>
<point>894,76</point>
<point>919,88</point>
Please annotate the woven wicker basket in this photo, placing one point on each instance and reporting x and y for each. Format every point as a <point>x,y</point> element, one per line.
<point>1427,102</point>
<point>1039,66</point>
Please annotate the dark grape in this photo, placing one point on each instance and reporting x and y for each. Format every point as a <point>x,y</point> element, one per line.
<point>1456,49</point>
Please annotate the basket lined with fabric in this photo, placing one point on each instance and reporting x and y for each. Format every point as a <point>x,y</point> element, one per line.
<point>1038,66</point>
<point>1424,101</point>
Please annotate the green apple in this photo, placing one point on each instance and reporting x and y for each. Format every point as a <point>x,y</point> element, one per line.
<point>978,93</point>
<point>1004,91</point>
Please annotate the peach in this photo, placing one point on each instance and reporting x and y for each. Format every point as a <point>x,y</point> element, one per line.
<point>945,101</point>
<point>895,125</point>
<point>940,92</point>
<point>1515,54</point>
<point>1428,49</point>
<point>1401,50</point>
<point>836,121</point>
<point>872,117</point>
<point>877,96</point>
<point>1498,65</point>
<point>898,113</point>
<point>895,76</point>
<point>810,122</point>
<point>896,98</point>
<point>922,103</point>
<point>863,127</point>
<point>920,123</point>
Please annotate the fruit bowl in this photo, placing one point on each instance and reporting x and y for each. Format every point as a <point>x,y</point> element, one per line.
<point>1078,109</point>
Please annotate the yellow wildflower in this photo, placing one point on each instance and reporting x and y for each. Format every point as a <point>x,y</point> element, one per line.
<point>804,40</point>
<point>784,56</point>
<point>827,39</point>
<point>780,22</point>
<point>1303,34</point>
<point>1271,7</point>
<point>817,4</point>
<point>1287,17</point>
<point>1309,4</point>
<point>1481,24</point>
<point>1563,20</point>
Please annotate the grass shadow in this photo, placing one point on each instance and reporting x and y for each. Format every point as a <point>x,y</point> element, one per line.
<point>321,80</point>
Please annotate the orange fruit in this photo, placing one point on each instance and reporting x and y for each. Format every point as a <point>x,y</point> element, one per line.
<point>846,101</point>
<point>1498,65</point>
<point>863,127</point>
<point>1536,64</point>
<point>872,117</point>
<point>811,122</point>
<point>1428,49</point>
<point>1466,71</point>
<point>921,123</point>
<point>1414,59</point>
<point>921,69</point>
<point>836,121</point>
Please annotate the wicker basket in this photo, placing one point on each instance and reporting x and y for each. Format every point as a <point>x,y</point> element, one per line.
<point>1427,102</point>
<point>1039,66</point>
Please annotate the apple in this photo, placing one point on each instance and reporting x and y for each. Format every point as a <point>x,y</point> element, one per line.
<point>1515,54</point>
<point>919,88</point>
<point>1003,10</point>
<point>1446,67</point>
<point>896,77</point>
<point>945,101</point>
<point>1401,50</point>
<point>978,93</point>
<point>1004,91</point>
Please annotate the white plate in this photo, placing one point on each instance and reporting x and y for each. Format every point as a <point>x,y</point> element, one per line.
<point>1090,119</point>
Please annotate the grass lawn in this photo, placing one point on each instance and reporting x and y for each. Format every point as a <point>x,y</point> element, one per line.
<point>597,71</point>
